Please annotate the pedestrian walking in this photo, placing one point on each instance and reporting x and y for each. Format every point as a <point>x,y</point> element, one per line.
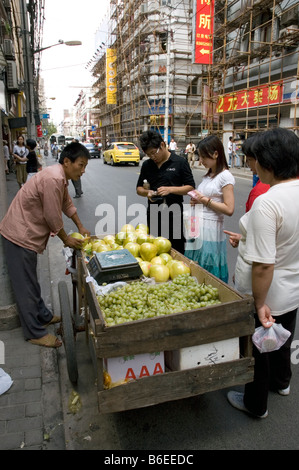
<point>54,151</point>
<point>6,156</point>
<point>35,214</point>
<point>77,184</point>
<point>169,177</point>
<point>172,146</point>
<point>266,265</point>
<point>215,194</point>
<point>32,164</point>
<point>190,149</point>
<point>230,151</point>
<point>20,153</point>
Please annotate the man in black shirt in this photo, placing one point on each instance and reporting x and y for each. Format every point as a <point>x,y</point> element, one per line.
<point>32,164</point>
<point>170,178</point>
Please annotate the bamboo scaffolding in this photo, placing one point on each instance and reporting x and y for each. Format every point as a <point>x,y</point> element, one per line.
<point>248,53</point>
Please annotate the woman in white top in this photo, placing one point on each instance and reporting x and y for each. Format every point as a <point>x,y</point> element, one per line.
<point>20,153</point>
<point>268,262</point>
<point>215,194</point>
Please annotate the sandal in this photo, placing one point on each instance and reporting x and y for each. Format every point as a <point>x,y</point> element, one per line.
<point>48,341</point>
<point>55,319</point>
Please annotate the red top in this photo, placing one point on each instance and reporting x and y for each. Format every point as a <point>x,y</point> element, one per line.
<point>257,190</point>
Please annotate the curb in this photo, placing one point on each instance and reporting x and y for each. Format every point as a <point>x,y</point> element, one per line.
<point>51,393</point>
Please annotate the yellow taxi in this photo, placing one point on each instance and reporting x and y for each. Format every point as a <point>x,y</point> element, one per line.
<point>121,152</point>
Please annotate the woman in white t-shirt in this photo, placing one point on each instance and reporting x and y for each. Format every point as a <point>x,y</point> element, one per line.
<point>20,153</point>
<point>268,262</point>
<point>215,194</point>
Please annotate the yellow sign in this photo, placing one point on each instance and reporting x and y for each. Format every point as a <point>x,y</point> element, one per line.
<point>111,88</point>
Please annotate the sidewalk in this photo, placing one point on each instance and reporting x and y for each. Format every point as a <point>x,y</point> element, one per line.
<point>31,415</point>
<point>238,172</point>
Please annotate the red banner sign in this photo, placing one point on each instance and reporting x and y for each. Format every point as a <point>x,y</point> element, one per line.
<point>262,95</point>
<point>204,31</point>
<point>39,131</point>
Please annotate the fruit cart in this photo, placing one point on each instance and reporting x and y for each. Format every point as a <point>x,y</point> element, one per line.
<point>177,337</point>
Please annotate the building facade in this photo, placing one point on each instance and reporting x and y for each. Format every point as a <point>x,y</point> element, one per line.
<point>249,84</point>
<point>20,36</point>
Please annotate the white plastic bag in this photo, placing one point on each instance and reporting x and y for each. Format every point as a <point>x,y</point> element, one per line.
<point>270,339</point>
<point>192,219</point>
<point>104,290</point>
<point>5,382</point>
<point>68,256</point>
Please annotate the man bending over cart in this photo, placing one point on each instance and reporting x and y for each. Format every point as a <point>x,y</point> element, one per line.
<point>35,214</point>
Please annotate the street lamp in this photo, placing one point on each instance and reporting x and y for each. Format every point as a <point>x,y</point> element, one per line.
<point>29,54</point>
<point>59,43</point>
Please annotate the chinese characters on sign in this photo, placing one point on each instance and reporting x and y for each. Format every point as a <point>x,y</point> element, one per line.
<point>204,31</point>
<point>259,96</point>
<point>39,131</point>
<point>111,76</point>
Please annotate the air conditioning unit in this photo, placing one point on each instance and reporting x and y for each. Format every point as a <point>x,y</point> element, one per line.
<point>11,74</point>
<point>8,48</point>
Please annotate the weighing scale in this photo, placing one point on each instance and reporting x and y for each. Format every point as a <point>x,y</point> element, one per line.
<point>115,265</point>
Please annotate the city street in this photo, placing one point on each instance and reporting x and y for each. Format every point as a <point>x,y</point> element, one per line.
<point>203,422</point>
<point>147,77</point>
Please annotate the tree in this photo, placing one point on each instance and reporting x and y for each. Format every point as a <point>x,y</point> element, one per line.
<point>50,128</point>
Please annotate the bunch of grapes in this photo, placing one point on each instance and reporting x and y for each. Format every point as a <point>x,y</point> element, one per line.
<point>139,300</point>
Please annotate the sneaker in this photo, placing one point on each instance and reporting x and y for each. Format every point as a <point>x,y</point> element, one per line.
<point>236,399</point>
<point>285,391</point>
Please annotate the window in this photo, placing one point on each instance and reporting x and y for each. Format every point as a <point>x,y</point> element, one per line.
<point>163,3</point>
<point>163,42</point>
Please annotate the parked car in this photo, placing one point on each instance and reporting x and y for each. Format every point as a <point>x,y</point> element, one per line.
<point>121,152</point>
<point>93,150</point>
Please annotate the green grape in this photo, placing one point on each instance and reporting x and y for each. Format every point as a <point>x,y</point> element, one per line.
<point>138,300</point>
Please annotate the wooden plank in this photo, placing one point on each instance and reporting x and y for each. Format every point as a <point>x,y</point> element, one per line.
<point>97,363</point>
<point>177,330</point>
<point>175,385</point>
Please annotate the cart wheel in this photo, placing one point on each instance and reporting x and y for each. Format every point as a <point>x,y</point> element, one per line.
<point>68,332</point>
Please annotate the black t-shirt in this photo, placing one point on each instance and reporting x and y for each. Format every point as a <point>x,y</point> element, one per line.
<point>31,165</point>
<point>174,172</point>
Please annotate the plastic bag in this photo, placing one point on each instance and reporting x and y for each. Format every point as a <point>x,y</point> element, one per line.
<point>5,382</point>
<point>104,290</point>
<point>192,217</point>
<point>270,339</point>
<point>68,256</point>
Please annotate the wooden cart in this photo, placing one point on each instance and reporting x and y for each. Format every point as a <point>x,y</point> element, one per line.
<point>230,319</point>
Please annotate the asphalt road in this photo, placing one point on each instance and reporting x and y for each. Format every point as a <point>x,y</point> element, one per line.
<point>205,422</point>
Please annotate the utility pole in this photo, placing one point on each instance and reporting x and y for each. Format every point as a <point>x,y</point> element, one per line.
<point>29,89</point>
<point>9,317</point>
<point>166,116</point>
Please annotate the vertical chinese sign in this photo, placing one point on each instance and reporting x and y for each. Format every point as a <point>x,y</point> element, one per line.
<point>39,131</point>
<point>204,27</point>
<point>111,76</point>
